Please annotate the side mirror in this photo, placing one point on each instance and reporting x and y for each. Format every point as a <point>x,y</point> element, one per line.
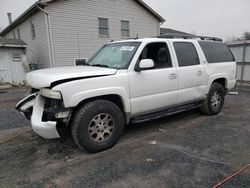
<point>145,64</point>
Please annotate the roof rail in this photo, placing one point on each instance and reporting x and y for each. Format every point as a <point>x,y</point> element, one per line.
<point>172,36</point>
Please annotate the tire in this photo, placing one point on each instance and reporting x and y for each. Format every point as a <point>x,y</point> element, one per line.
<point>97,126</point>
<point>214,102</point>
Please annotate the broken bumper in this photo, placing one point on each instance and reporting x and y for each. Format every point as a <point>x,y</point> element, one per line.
<point>44,129</point>
<point>33,107</point>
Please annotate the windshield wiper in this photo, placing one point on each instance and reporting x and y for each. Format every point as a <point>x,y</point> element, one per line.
<point>100,65</point>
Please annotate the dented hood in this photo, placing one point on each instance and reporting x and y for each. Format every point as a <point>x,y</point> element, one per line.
<point>45,77</point>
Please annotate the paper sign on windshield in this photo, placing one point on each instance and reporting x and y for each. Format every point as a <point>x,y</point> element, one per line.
<point>127,48</point>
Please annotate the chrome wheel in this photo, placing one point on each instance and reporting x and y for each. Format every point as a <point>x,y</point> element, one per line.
<point>101,127</point>
<point>216,100</point>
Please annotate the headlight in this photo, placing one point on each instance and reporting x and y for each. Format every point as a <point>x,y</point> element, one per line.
<point>51,94</point>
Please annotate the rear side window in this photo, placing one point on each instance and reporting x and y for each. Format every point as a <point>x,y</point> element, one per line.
<point>186,54</point>
<point>216,52</point>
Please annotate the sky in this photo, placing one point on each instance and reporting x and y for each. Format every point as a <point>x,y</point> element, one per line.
<point>220,18</point>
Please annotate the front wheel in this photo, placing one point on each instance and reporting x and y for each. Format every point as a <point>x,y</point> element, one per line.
<point>97,126</point>
<point>214,102</point>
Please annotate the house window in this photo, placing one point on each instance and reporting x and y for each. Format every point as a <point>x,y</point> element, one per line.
<point>14,34</point>
<point>103,27</point>
<point>16,57</point>
<point>80,61</point>
<point>33,32</point>
<point>18,34</point>
<point>125,28</point>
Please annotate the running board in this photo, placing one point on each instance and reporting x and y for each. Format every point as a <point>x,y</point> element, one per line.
<point>163,113</point>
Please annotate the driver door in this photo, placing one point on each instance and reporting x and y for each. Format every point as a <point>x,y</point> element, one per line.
<point>154,89</point>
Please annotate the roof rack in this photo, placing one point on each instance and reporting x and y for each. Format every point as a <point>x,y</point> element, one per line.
<point>172,36</point>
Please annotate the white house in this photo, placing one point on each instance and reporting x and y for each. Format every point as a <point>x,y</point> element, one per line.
<point>60,32</point>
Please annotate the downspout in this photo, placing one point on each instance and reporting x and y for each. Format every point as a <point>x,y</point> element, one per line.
<point>52,58</point>
<point>243,62</point>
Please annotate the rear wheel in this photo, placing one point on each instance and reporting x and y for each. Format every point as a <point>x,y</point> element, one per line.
<point>97,126</point>
<point>214,102</point>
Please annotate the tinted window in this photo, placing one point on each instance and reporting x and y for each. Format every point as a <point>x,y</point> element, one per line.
<point>186,54</point>
<point>216,52</point>
<point>159,53</point>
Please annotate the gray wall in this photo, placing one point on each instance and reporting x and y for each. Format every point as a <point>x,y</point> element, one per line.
<point>75,23</point>
<point>38,49</point>
<point>237,51</point>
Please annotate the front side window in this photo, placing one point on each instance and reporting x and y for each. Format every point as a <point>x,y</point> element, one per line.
<point>125,28</point>
<point>159,53</point>
<point>216,52</point>
<point>115,55</point>
<point>103,27</point>
<point>186,54</point>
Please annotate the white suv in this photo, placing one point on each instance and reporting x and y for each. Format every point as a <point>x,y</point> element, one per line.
<point>128,81</point>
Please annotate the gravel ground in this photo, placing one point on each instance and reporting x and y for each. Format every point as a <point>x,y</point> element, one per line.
<point>9,117</point>
<point>184,150</point>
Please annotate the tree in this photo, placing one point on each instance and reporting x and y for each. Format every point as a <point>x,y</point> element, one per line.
<point>246,35</point>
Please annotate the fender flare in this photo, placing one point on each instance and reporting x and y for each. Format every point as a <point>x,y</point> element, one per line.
<point>215,77</point>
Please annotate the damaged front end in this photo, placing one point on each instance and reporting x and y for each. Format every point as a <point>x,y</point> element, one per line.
<point>25,106</point>
<point>45,109</point>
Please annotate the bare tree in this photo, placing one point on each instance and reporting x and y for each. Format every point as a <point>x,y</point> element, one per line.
<point>246,35</point>
<point>232,38</point>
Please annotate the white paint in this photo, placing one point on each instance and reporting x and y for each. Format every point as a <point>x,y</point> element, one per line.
<point>141,92</point>
<point>44,77</point>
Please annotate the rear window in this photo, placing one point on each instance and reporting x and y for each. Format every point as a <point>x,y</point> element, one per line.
<point>216,52</point>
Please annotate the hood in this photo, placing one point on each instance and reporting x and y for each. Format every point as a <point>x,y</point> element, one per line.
<point>45,77</point>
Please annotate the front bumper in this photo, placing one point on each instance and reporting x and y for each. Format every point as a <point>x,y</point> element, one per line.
<point>46,129</point>
<point>33,108</point>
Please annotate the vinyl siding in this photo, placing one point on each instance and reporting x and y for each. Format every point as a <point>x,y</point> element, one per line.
<point>74,25</point>
<point>38,49</point>
<point>10,71</point>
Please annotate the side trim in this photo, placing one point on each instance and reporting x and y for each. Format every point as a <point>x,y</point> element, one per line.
<point>56,83</point>
<point>166,112</point>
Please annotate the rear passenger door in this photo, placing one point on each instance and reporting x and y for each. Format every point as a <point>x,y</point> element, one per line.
<point>190,72</point>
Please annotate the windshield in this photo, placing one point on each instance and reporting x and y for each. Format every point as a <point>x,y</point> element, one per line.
<point>115,55</point>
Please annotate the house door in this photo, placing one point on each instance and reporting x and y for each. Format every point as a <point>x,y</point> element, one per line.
<point>4,69</point>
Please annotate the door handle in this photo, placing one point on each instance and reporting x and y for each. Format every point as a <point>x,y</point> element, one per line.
<point>172,76</point>
<point>199,73</point>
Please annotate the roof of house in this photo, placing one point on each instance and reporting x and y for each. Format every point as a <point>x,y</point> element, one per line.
<point>40,3</point>
<point>12,43</point>
<point>172,31</point>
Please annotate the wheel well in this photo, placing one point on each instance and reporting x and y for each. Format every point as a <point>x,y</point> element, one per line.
<point>116,99</point>
<point>221,81</point>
